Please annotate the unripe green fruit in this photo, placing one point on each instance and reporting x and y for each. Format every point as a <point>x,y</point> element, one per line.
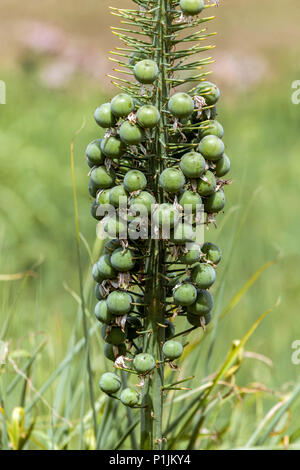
<point>185,294</point>
<point>103,197</point>
<point>93,210</point>
<point>195,320</point>
<point>207,184</point>
<point>215,203</point>
<point>181,105</point>
<point>92,188</point>
<point>110,383</point>
<point>104,117</point>
<point>102,178</point>
<point>203,305</point>
<point>192,256</point>
<point>134,180</point>
<point>115,336</point>
<point>172,350</point>
<point>115,227</point>
<point>111,352</point>
<point>146,71</point>
<point>212,252</point>
<point>212,128</point>
<point>112,147</point>
<point>191,7</point>
<point>119,303</point>
<point>172,180</point>
<point>209,91</point>
<point>203,275</point>
<point>148,116</point>
<point>122,105</point>
<point>182,234</point>
<point>137,56</point>
<point>111,245</point>
<point>131,134</point>
<point>117,195</point>
<point>122,260</point>
<point>192,164</point>
<point>105,268</point>
<point>170,329</point>
<point>96,274</point>
<point>142,200</point>
<point>211,147</point>
<point>166,214</point>
<point>133,325</point>
<point>223,166</point>
<point>97,292</point>
<point>129,397</point>
<point>94,153</point>
<point>102,313</point>
<point>190,201</point>
<point>143,363</point>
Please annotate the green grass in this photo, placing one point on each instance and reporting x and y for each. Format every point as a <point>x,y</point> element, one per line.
<point>37,227</point>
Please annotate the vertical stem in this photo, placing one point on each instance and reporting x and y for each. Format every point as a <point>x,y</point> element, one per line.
<point>151,415</point>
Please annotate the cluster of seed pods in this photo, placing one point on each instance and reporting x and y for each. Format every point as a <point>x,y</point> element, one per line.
<point>162,151</point>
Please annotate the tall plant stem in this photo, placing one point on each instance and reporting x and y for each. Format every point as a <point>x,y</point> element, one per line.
<point>151,414</point>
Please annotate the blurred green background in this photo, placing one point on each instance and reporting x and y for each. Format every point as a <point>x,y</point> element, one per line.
<point>53,60</point>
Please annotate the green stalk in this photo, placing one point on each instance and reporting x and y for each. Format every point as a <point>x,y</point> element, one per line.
<point>151,415</point>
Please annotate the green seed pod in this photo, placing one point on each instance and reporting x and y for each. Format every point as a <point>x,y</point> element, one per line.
<point>190,200</point>
<point>94,154</point>
<point>181,105</point>
<point>122,260</point>
<point>215,203</point>
<point>166,213</point>
<point>143,363</point>
<point>112,147</point>
<point>110,383</point>
<point>115,227</point>
<point>211,147</point>
<point>118,194</point>
<point>192,255</point>
<point>111,245</point>
<point>223,166</point>
<point>115,336</point>
<point>102,198</point>
<point>148,116</point>
<point>203,305</point>
<point>134,180</point>
<point>102,178</point>
<point>172,180</point>
<point>111,352</point>
<point>182,234</point>
<point>212,252</point>
<point>191,7</point>
<point>192,164</point>
<point>92,188</point>
<point>105,269</point>
<point>133,326</point>
<point>93,209</point>
<point>195,320</point>
<point>104,117</point>
<point>102,313</point>
<point>203,275</point>
<point>172,350</point>
<point>185,294</point>
<point>96,274</point>
<point>209,91</point>
<point>207,184</point>
<point>129,397</point>
<point>97,292</point>
<point>146,71</point>
<point>119,303</point>
<point>131,134</point>
<point>122,105</point>
<point>142,200</point>
<point>211,128</point>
